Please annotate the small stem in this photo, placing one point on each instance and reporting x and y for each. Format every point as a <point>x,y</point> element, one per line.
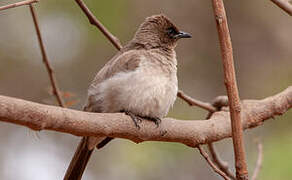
<point>222,165</point>
<point>285,5</point>
<point>22,3</point>
<point>193,102</point>
<point>214,167</point>
<point>220,102</point>
<point>94,21</point>
<point>259,162</point>
<point>56,91</point>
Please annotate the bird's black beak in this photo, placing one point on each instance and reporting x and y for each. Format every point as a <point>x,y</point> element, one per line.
<point>182,34</point>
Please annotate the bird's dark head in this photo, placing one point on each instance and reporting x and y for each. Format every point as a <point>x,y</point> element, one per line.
<point>159,31</point>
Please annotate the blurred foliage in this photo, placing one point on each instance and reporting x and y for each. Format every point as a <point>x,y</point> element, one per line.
<point>261,36</point>
<point>277,158</point>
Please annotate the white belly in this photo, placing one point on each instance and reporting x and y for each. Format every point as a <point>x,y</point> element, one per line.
<point>144,92</point>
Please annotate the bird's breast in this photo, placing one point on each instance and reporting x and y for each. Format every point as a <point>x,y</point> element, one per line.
<point>147,91</point>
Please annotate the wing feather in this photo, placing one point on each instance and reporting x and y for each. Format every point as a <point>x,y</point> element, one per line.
<point>122,62</point>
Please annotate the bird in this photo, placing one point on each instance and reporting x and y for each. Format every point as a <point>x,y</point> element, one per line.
<point>140,80</point>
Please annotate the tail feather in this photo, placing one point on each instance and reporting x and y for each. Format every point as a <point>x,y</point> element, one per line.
<point>79,161</point>
<point>81,157</point>
<point>104,142</point>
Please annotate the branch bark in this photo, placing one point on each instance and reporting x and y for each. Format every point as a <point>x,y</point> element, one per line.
<point>231,87</point>
<point>284,5</point>
<point>22,3</point>
<point>192,133</point>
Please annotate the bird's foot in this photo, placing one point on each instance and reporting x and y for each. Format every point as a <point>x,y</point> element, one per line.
<point>156,120</point>
<point>136,119</point>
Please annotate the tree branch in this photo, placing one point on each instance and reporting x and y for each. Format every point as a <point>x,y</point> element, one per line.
<point>285,5</point>
<point>49,68</point>
<point>192,133</point>
<point>22,3</point>
<point>194,102</point>
<point>231,87</point>
<point>214,167</point>
<point>259,162</point>
<point>223,166</point>
<point>94,21</point>
<point>218,103</point>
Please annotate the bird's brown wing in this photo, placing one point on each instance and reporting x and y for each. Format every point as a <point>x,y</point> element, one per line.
<point>121,62</point>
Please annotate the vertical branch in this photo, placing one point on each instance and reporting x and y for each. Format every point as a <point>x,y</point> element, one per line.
<point>56,90</point>
<point>232,90</point>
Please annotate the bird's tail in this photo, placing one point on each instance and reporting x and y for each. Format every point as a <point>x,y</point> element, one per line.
<point>104,142</point>
<point>82,155</point>
<point>79,161</point>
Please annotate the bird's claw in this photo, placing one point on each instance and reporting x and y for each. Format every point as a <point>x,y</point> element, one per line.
<point>157,121</point>
<point>136,119</point>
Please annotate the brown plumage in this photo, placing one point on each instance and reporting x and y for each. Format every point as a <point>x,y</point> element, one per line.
<point>139,80</point>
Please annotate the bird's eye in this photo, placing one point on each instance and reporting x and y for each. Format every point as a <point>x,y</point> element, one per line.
<point>171,31</point>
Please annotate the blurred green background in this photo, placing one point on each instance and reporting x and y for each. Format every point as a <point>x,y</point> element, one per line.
<point>261,36</point>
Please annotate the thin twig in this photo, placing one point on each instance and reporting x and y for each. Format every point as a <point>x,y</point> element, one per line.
<point>22,3</point>
<point>219,102</point>
<point>259,162</point>
<point>232,90</point>
<point>56,91</point>
<point>94,21</point>
<point>222,165</point>
<point>285,5</point>
<point>214,167</point>
<point>194,102</point>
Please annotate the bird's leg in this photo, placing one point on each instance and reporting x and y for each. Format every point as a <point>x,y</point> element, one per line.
<point>136,119</point>
<point>156,120</point>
